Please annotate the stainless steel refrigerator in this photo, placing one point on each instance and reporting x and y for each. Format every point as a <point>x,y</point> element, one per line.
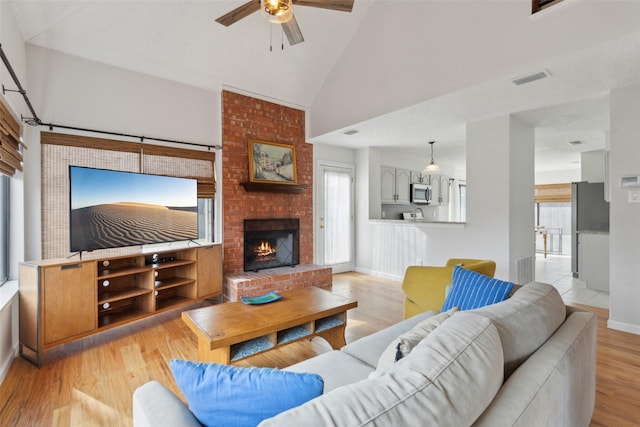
<point>589,214</point>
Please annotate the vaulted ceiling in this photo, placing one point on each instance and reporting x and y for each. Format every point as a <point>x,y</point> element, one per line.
<point>400,72</point>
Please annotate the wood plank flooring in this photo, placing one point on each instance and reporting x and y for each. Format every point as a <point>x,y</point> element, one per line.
<point>90,382</point>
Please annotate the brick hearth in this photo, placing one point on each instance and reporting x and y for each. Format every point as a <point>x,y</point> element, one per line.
<point>250,283</point>
<point>245,118</point>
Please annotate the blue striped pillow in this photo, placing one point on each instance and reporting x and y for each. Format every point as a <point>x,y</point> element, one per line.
<point>471,290</point>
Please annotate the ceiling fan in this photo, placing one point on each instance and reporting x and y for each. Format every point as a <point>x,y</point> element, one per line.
<point>281,12</point>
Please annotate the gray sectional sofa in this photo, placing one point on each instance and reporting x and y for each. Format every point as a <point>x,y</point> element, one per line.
<point>527,361</point>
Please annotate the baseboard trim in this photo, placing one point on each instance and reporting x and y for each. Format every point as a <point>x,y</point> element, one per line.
<point>624,327</point>
<point>378,274</point>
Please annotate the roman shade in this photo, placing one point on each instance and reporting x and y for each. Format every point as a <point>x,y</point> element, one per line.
<point>10,142</point>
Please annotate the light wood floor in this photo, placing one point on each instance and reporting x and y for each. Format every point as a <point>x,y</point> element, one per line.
<point>90,382</point>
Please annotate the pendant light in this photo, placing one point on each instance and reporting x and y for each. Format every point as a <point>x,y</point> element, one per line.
<point>432,167</point>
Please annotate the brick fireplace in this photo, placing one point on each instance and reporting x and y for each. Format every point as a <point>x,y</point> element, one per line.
<point>245,118</point>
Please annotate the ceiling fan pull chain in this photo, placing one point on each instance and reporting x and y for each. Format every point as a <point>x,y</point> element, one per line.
<point>270,38</point>
<point>282,36</point>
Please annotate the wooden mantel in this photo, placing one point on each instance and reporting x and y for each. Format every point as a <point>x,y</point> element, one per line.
<point>273,188</point>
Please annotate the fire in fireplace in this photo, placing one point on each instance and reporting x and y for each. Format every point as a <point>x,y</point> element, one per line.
<point>270,243</point>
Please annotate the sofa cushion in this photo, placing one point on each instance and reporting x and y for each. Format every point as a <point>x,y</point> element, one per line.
<point>462,358</point>
<point>525,321</point>
<point>336,368</point>
<point>370,348</point>
<point>223,395</point>
<point>471,290</point>
<point>402,346</point>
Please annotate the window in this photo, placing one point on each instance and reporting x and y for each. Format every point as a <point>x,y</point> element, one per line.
<point>554,220</point>
<point>463,202</point>
<point>4,228</point>
<point>206,219</point>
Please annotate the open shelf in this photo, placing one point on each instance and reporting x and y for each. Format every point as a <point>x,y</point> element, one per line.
<point>173,282</point>
<point>295,333</point>
<point>170,264</point>
<point>173,301</point>
<point>327,323</point>
<point>118,272</point>
<point>121,294</point>
<point>251,347</point>
<point>120,317</point>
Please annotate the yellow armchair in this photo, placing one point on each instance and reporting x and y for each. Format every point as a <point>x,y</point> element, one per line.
<point>425,287</point>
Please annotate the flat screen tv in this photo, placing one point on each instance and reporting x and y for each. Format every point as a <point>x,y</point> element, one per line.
<point>110,209</point>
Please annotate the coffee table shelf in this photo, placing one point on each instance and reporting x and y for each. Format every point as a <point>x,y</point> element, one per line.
<point>232,331</point>
<point>251,347</point>
<point>327,323</point>
<point>292,334</point>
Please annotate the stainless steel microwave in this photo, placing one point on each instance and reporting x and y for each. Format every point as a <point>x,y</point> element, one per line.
<point>420,193</point>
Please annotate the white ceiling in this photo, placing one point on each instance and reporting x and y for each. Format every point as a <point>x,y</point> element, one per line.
<point>179,41</point>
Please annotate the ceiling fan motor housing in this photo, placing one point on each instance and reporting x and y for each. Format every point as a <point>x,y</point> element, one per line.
<point>277,11</point>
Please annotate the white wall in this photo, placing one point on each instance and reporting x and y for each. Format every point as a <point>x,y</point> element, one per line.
<point>558,177</point>
<point>592,166</point>
<point>521,194</point>
<point>624,231</point>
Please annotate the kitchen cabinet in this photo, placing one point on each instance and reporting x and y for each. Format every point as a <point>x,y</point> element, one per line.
<point>439,190</point>
<point>418,178</point>
<point>395,185</point>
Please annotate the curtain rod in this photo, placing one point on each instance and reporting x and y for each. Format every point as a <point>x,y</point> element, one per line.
<point>35,120</point>
<point>141,138</point>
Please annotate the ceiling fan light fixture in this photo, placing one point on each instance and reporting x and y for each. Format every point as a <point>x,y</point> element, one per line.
<point>277,11</point>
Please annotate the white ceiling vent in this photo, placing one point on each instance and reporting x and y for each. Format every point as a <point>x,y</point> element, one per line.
<point>351,132</point>
<point>531,77</point>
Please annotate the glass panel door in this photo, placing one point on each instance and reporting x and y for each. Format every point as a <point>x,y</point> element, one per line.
<point>335,225</point>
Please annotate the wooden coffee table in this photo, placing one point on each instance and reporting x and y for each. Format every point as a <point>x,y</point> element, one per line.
<point>232,331</point>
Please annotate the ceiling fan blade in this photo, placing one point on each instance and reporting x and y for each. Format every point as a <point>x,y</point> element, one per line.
<point>341,5</point>
<point>238,13</point>
<point>292,30</point>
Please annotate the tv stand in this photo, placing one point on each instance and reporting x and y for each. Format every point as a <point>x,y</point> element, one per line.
<point>63,300</point>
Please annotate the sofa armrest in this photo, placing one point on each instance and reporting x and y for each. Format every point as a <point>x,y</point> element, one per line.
<point>556,385</point>
<point>154,405</point>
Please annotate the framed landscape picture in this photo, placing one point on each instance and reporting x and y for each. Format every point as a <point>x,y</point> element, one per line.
<point>270,162</point>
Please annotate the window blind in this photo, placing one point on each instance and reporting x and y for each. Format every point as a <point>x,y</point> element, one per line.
<point>550,193</point>
<point>10,143</point>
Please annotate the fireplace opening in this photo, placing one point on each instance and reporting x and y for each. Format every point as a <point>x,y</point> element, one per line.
<point>270,243</point>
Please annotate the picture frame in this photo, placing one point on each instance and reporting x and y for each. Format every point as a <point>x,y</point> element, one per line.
<point>272,163</point>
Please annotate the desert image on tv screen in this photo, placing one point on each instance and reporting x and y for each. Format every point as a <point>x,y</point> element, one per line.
<point>114,209</point>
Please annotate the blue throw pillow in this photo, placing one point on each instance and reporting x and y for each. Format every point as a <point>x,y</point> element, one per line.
<point>471,290</point>
<point>223,395</point>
